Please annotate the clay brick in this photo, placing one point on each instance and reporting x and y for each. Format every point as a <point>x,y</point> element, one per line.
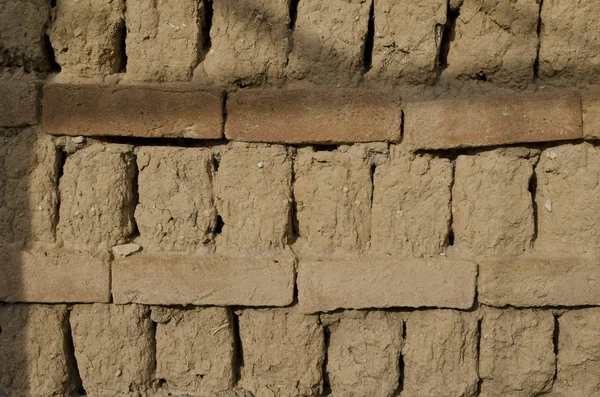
<point>28,193</point>
<point>114,348</point>
<point>34,358</point>
<point>53,276</point>
<point>148,112</point>
<point>22,28</point>
<point>411,204</point>
<point>383,282</point>
<point>516,353</point>
<point>407,40</point>
<point>312,116</point>
<point>194,350</point>
<point>591,115</point>
<point>283,353</point>
<point>333,191</point>
<point>253,191</point>
<point>492,208</point>
<point>204,280</point>
<point>176,206</point>
<point>164,39</point>
<point>496,40</point>
<point>96,209</point>
<point>578,354</point>
<point>249,41</point>
<point>440,354</point>
<point>568,53</point>
<point>536,282</point>
<point>87,35</point>
<point>329,42</point>
<point>568,209</point>
<point>18,101</point>
<point>363,356</point>
<point>488,121</point>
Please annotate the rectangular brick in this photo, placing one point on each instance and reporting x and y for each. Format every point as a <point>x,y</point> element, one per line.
<point>204,280</point>
<point>121,110</point>
<point>383,282</point>
<point>455,123</point>
<point>18,101</point>
<point>312,116</point>
<point>54,276</point>
<point>533,282</point>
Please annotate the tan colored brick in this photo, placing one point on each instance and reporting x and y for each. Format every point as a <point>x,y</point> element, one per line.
<point>18,101</point>
<point>283,353</point>
<point>536,282</point>
<point>114,348</point>
<point>312,116</point>
<point>591,115</point>
<point>488,121</point>
<point>516,352</point>
<point>52,276</point>
<point>149,112</point>
<point>411,204</point>
<point>204,280</point>
<point>358,283</point>
<point>333,191</point>
<point>176,209</point>
<point>440,354</point>
<point>34,357</point>
<point>194,350</point>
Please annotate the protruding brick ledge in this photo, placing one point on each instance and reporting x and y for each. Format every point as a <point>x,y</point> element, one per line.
<point>54,276</point>
<point>537,282</point>
<point>204,280</point>
<point>18,102</point>
<point>118,110</point>
<point>488,121</point>
<point>312,116</point>
<point>383,282</point>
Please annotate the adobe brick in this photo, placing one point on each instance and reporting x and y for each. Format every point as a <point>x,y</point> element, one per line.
<point>18,101</point>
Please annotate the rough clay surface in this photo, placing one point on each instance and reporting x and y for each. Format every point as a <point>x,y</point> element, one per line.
<point>568,186</point>
<point>496,40</point>
<point>440,354</point>
<point>516,352</point>
<point>249,41</point>
<point>411,204</point>
<point>568,51</point>
<point>176,207</point>
<point>34,361</point>
<point>578,354</point>
<point>86,36</point>
<point>253,191</point>
<point>28,196</point>
<point>333,191</point>
<point>492,208</point>
<point>194,350</point>
<point>283,353</point>
<point>96,196</point>
<point>328,41</point>
<point>22,28</point>
<point>363,356</point>
<point>164,39</point>
<point>114,348</point>
<point>408,35</point>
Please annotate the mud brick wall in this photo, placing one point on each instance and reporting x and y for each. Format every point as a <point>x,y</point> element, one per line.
<point>285,198</point>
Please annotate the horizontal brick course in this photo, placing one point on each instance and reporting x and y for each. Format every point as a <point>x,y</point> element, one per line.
<point>383,282</point>
<point>312,116</point>
<point>19,102</point>
<point>120,110</point>
<point>488,121</point>
<point>204,280</point>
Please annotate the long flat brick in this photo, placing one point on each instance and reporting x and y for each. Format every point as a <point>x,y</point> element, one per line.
<point>536,282</point>
<point>383,282</point>
<point>18,102</point>
<point>456,123</point>
<point>120,110</point>
<point>204,280</point>
<point>54,276</point>
<point>312,116</point>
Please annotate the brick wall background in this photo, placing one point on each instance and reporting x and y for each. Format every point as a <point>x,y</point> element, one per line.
<point>295,198</point>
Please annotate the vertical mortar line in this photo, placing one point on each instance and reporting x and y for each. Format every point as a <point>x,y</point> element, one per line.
<point>204,25</point>
<point>224,98</point>
<point>324,373</point>
<point>479,336</point>
<point>72,367</point>
<point>122,41</point>
<point>450,236</point>
<point>536,63</point>
<point>555,340</point>
<point>238,349</point>
<point>532,188</point>
<point>293,14</point>
<point>293,232</point>
<point>60,165</point>
<point>153,343</point>
<point>448,31</point>
<point>400,388</point>
<point>369,40</point>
